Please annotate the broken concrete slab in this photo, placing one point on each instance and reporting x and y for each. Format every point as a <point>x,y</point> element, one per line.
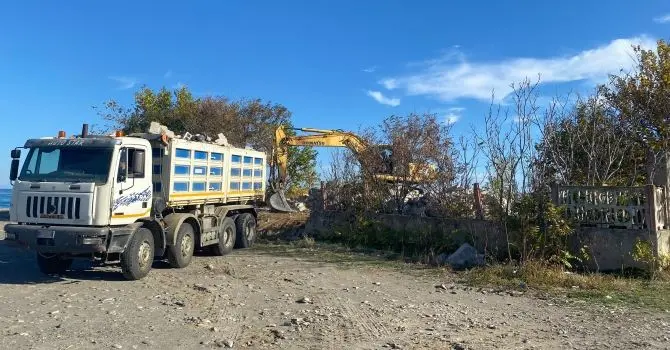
<point>466,256</point>
<point>221,140</point>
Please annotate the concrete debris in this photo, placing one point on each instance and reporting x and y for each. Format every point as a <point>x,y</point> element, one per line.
<point>300,206</point>
<point>154,128</point>
<point>222,140</point>
<point>159,129</point>
<point>304,300</point>
<point>466,256</point>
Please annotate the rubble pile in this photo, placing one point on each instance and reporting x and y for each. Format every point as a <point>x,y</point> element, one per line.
<point>156,128</point>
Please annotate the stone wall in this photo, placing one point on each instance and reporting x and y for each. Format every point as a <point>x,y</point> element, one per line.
<point>610,249</point>
<point>483,235</point>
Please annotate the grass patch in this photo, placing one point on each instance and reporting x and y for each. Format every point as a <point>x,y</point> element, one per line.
<point>596,287</point>
<point>342,256</point>
<point>305,242</point>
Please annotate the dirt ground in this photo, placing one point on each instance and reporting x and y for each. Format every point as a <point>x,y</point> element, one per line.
<point>266,298</point>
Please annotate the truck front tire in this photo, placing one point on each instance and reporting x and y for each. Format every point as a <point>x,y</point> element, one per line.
<point>246,230</point>
<point>227,237</point>
<point>137,258</point>
<point>52,264</point>
<point>180,254</point>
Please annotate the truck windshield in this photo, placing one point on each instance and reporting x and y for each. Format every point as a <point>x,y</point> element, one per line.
<point>67,164</point>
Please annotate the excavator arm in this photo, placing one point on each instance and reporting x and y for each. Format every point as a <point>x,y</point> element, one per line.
<point>321,138</point>
<point>313,138</point>
<point>316,138</point>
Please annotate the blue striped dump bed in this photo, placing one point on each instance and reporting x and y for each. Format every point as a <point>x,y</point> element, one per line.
<point>190,172</point>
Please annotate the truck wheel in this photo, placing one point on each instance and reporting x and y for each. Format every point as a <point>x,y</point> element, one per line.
<point>52,264</point>
<point>180,254</point>
<point>246,230</point>
<point>227,238</point>
<point>138,256</point>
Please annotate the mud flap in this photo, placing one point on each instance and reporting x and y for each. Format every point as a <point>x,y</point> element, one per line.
<point>278,202</point>
<point>119,237</point>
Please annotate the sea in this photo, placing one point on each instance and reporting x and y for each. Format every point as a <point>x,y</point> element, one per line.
<point>5,198</point>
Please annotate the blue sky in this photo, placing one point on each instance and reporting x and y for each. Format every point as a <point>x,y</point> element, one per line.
<point>334,64</point>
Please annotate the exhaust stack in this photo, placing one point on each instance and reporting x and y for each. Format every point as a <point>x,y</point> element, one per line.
<point>84,131</point>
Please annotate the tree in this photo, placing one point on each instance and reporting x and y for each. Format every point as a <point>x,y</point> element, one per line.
<point>402,146</point>
<point>245,123</point>
<point>642,99</point>
<point>588,143</point>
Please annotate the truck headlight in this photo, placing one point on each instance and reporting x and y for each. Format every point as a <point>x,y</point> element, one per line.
<point>10,236</point>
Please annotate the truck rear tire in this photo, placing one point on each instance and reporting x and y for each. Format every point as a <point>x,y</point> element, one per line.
<point>137,258</point>
<point>246,230</point>
<point>52,264</point>
<point>227,237</point>
<point>180,254</point>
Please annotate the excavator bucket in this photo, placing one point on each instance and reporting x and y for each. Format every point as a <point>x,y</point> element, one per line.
<point>278,202</point>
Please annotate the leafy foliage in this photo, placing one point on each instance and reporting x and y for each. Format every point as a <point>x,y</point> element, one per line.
<point>540,231</point>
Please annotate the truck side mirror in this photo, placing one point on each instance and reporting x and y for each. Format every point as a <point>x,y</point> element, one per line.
<point>14,170</point>
<point>16,153</point>
<point>138,163</point>
<point>123,175</point>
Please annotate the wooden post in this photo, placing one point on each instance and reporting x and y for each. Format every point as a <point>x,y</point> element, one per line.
<point>479,208</point>
<point>324,196</point>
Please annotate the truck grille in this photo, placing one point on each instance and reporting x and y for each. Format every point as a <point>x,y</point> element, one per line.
<point>59,207</point>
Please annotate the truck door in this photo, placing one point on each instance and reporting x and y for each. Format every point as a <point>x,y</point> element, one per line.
<point>132,190</point>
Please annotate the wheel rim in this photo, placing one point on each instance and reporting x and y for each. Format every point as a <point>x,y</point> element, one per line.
<point>144,254</point>
<point>250,230</point>
<point>186,245</point>
<point>227,236</point>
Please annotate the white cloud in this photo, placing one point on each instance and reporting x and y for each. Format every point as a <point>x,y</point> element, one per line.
<point>453,76</point>
<point>168,74</point>
<point>453,115</point>
<point>124,82</point>
<point>452,118</point>
<point>389,84</point>
<point>379,97</point>
<point>370,69</point>
<point>663,19</point>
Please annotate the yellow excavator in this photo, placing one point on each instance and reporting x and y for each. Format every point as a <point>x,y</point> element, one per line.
<point>336,138</point>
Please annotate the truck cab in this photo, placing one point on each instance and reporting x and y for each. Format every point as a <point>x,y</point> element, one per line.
<point>79,197</point>
<point>83,182</point>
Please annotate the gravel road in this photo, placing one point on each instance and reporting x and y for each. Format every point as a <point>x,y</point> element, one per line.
<point>259,299</point>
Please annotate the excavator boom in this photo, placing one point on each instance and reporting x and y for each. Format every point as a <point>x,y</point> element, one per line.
<point>316,138</point>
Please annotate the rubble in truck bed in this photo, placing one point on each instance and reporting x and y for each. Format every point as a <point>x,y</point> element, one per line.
<point>159,129</point>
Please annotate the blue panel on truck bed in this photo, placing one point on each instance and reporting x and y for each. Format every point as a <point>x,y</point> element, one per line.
<point>209,173</point>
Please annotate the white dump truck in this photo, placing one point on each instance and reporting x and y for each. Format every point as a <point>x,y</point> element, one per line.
<point>133,199</point>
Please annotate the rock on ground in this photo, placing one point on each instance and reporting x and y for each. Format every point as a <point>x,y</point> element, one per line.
<point>466,256</point>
